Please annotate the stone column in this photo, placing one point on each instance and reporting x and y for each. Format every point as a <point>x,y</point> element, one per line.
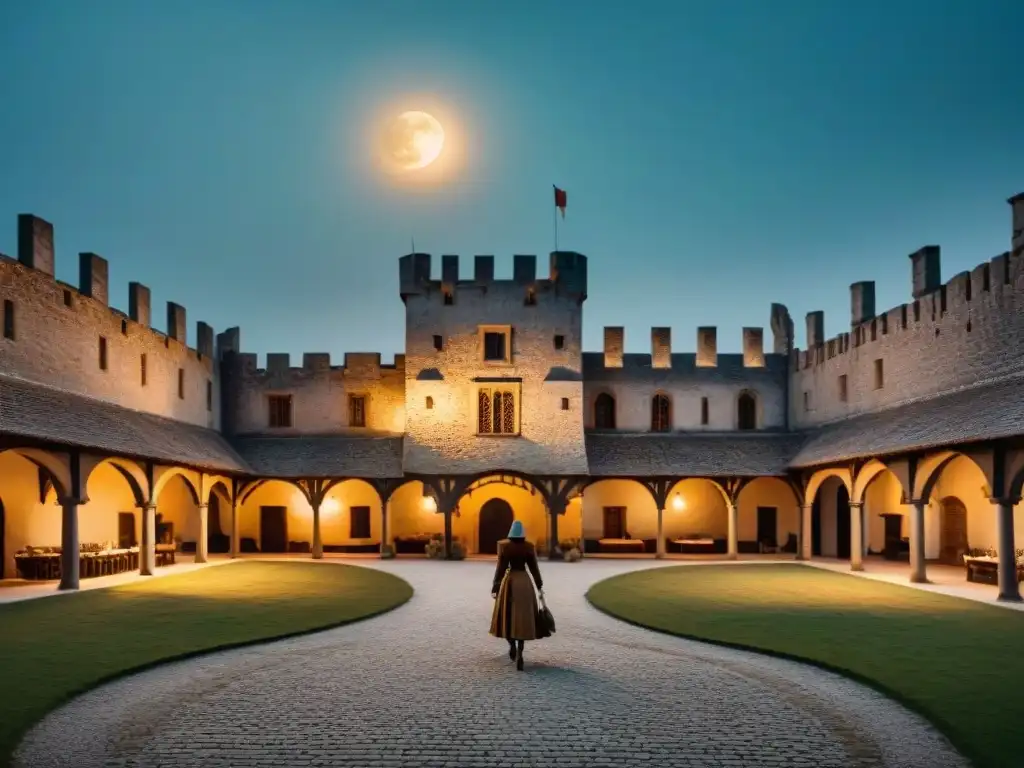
<point>660,549</point>
<point>202,540</point>
<point>804,551</point>
<point>234,529</point>
<point>918,572</point>
<point>1009,590</point>
<point>70,555</point>
<point>856,536</point>
<point>318,544</point>
<point>147,550</point>
<point>733,531</point>
<point>384,513</point>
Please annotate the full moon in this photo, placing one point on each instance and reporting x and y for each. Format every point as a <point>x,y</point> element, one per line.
<point>413,140</point>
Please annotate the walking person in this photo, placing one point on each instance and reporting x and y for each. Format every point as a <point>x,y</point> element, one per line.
<point>515,602</point>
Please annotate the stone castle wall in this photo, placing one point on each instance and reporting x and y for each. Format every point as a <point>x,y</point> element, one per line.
<point>951,335</point>
<point>53,333</point>
<point>441,433</point>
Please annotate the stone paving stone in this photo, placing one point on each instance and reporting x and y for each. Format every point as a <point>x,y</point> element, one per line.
<point>425,686</point>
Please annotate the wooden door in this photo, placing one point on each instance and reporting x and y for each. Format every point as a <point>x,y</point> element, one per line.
<point>126,530</point>
<point>614,522</point>
<point>495,519</point>
<point>952,531</point>
<point>273,529</point>
<point>767,525</point>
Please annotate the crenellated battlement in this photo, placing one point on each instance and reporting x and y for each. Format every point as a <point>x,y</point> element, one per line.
<point>950,334</point>
<point>707,343</point>
<point>567,276</point>
<point>279,364</point>
<point>68,336</point>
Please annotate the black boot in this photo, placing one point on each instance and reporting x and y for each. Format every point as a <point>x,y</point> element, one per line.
<point>519,656</point>
<point>512,649</point>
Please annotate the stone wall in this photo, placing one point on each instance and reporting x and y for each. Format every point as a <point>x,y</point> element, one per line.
<point>951,335</point>
<point>53,333</point>
<point>320,393</point>
<point>543,372</point>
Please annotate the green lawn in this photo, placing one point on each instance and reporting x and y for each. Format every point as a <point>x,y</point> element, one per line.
<point>957,662</point>
<point>56,647</point>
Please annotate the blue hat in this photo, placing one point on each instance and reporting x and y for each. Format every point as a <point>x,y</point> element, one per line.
<point>516,531</point>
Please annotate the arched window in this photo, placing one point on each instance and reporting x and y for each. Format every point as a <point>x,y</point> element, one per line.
<point>604,411</point>
<point>746,411</point>
<point>661,413</point>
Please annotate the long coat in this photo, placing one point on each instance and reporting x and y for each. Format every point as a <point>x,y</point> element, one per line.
<point>515,608</point>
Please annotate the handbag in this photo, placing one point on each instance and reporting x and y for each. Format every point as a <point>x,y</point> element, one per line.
<point>545,620</point>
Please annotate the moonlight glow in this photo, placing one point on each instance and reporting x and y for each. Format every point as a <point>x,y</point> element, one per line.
<point>412,141</point>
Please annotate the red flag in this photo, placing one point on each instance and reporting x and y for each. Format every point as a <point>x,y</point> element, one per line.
<point>560,199</point>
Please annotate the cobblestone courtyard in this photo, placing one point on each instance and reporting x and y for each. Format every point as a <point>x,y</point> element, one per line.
<point>426,686</point>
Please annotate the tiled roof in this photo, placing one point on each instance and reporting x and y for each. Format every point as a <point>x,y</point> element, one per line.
<point>986,412</point>
<point>729,368</point>
<point>323,456</point>
<point>54,415</point>
<point>700,455</point>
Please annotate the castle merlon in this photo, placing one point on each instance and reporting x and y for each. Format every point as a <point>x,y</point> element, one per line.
<point>707,346</point>
<point>567,274</point>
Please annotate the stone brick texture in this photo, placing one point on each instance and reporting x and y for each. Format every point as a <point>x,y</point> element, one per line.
<point>59,345</point>
<point>968,331</point>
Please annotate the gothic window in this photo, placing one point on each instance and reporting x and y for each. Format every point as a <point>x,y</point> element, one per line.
<point>496,412</point>
<point>604,411</point>
<point>746,411</point>
<point>357,411</point>
<point>661,414</point>
<point>280,410</point>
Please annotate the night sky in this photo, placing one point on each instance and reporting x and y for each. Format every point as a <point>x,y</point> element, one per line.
<point>718,156</point>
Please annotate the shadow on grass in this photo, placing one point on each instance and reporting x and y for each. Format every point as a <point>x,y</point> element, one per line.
<point>62,648</point>
<point>954,661</point>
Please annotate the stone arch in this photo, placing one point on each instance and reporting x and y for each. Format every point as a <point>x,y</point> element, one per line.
<point>661,412</point>
<point>930,470</point>
<point>604,410</point>
<point>351,515</point>
<point>129,470</point>
<point>495,518</point>
<point>617,506</point>
<point>820,476</point>
<point>871,470</point>
<point>881,489</point>
<point>57,468</point>
<point>748,406</point>
<point>163,475</point>
<point>754,503</point>
<point>32,482</point>
<point>209,482</point>
<point>525,496</point>
<point>831,527</point>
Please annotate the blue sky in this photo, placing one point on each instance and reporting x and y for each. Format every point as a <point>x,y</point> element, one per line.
<point>718,155</point>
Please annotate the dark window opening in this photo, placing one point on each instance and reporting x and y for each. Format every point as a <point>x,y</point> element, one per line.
<point>494,346</point>
<point>746,411</point>
<point>142,368</point>
<point>209,395</point>
<point>604,411</point>
<point>124,327</point>
<point>357,411</point>
<point>661,414</point>
<point>874,328</point>
<point>103,353</point>
<point>559,341</point>
<point>449,299</point>
<point>986,283</point>
<point>8,319</point>
<point>430,402</point>
<point>181,383</point>
<point>903,316</point>
<point>279,411</point>
<point>438,342</point>
<point>67,298</point>
<point>704,415</point>
<point>531,299</point>
<point>842,388</point>
<point>917,311</point>
<point>885,324</point>
<point>879,374</point>
<point>359,523</point>
<point>565,403</point>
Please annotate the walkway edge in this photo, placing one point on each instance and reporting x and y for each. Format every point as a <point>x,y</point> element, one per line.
<point>6,761</point>
<point>940,724</point>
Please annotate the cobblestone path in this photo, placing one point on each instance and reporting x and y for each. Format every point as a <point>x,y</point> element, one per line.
<point>426,686</point>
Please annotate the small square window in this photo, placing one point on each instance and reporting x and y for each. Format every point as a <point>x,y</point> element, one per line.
<point>495,346</point>
<point>565,403</point>
<point>879,374</point>
<point>67,298</point>
<point>438,342</point>
<point>559,341</point>
<point>842,388</point>
<point>279,410</point>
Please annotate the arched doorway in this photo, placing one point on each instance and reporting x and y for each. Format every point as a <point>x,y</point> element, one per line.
<point>495,520</point>
<point>952,530</point>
